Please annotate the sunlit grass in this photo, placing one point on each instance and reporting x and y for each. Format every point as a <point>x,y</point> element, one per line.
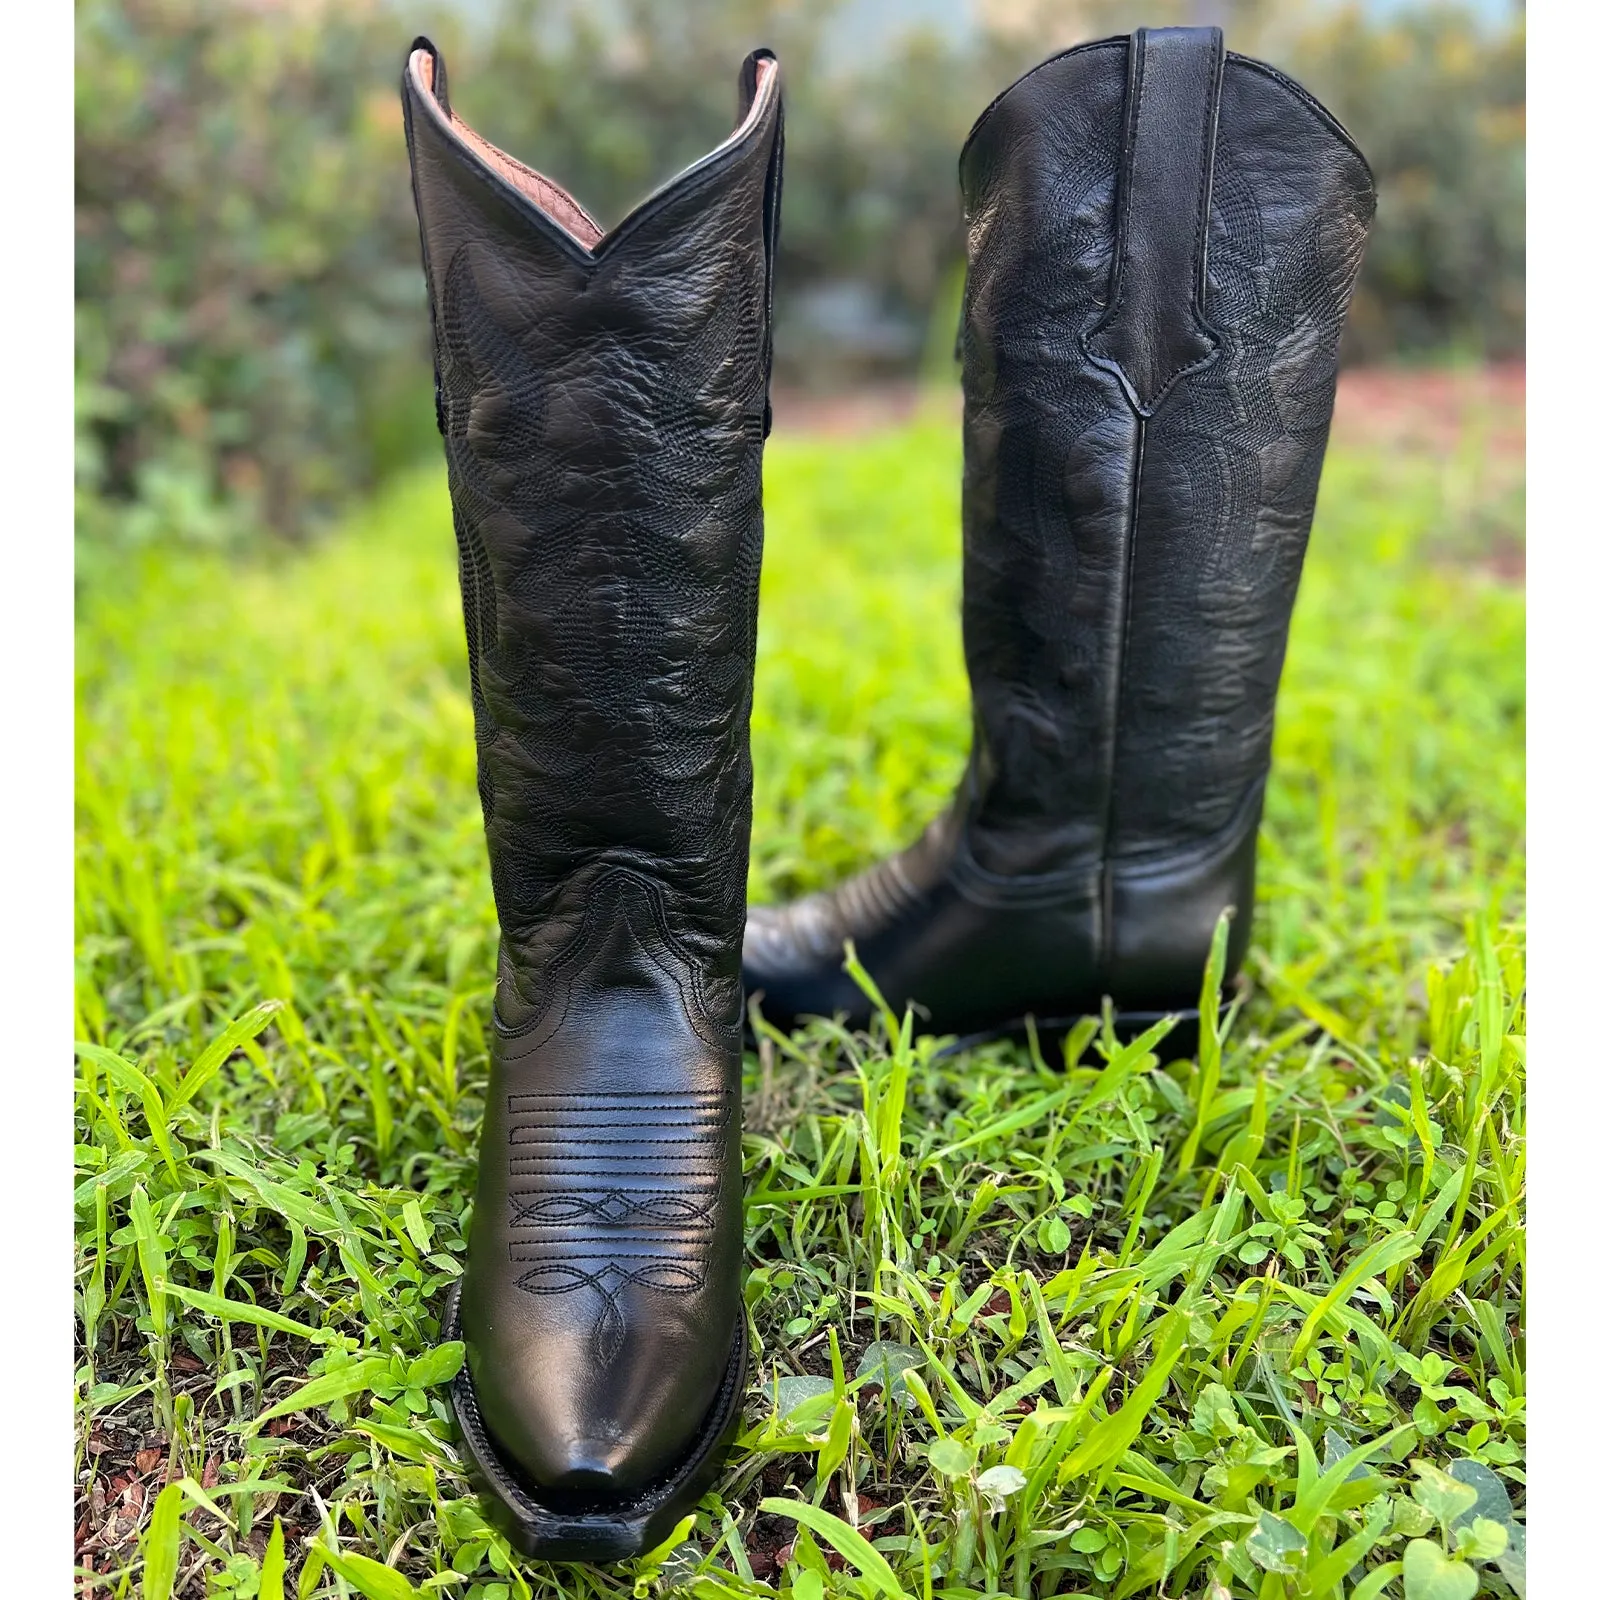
<point>1135,1346</point>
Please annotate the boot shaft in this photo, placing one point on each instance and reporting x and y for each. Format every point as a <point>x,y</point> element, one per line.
<point>1163,238</point>
<point>603,402</point>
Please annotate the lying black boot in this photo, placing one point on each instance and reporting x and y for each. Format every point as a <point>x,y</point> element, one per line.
<point>1162,243</point>
<point>603,400</point>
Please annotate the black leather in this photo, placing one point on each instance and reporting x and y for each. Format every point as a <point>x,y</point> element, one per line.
<point>603,405</point>
<point>1162,243</point>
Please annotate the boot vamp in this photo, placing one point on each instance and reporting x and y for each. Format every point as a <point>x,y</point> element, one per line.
<point>596,1366</point>
<point>601,1294</point>
<point>794,954</point>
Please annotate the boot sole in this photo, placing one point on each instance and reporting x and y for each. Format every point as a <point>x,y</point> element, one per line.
<point>613,1531</point>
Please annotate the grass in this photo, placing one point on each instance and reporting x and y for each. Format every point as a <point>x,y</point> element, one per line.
<point>1086,1326</point>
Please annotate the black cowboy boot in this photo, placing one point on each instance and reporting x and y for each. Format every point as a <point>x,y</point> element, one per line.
<point>1162,243</point>
<point>602,398</point>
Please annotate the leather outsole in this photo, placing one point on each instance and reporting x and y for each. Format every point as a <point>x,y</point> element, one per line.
<point>615,1530</point>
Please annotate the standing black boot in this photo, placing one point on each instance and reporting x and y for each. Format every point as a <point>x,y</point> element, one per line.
<point>1162,243</point>
<point>603,399</point>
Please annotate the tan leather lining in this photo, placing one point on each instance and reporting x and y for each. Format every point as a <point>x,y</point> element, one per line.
<point>550,197</point>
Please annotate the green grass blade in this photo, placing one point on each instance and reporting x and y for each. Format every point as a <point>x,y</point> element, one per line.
<point>210,1060</point>
<point>1373,1262</point>
<point>840,1536</point>
<point>272,1564</point>
<point>230,1311</point>
<point>356,1378</point>
<point>1111,1436</point>
<point>161,1544</point>
<point>371,1578</point>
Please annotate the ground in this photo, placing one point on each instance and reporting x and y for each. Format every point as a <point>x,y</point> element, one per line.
<point>1026,1325</point>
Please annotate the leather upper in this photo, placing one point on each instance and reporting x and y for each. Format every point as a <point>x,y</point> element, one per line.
<point>1163,239</point>
<point>603,402</point>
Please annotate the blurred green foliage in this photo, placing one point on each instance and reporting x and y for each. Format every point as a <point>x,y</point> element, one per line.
<point>1437,103</point>
<point>252,336</point>
<point>246,310</point>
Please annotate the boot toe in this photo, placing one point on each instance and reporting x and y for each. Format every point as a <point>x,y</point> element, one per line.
<point>563,1495</point>
<point>587,1420</point>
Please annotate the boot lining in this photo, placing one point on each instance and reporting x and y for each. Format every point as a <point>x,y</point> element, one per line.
<point>550,197</point>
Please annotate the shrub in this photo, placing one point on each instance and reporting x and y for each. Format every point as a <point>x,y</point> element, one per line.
<point>252,338</point>
<point>248,303</point>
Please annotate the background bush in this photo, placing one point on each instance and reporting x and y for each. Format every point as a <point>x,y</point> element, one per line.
<point>252,340</point>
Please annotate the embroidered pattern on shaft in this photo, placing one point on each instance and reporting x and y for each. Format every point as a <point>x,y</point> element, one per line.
<point>581,586</point>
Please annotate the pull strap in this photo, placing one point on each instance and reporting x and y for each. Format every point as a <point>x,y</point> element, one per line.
<point>1154,331</point>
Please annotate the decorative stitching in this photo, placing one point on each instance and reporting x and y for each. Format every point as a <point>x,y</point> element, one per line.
<point>544,1021</point>
<point>676,604</point>
<point>615,1202</point>
<point>608,1281</point>
<point>612,1205</point>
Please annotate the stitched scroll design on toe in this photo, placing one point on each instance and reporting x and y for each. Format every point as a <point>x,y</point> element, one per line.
<point>615,1191</point>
